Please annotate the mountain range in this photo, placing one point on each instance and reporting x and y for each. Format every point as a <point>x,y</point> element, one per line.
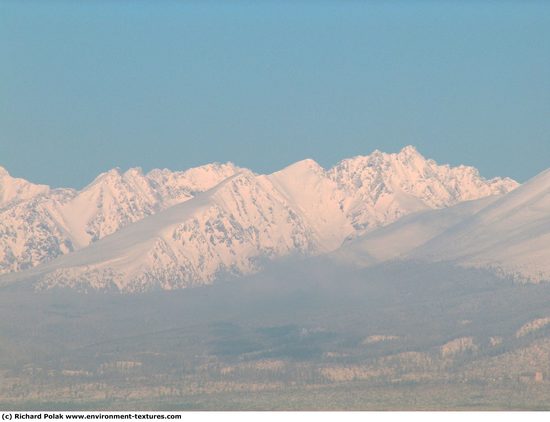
<point>135,232</point>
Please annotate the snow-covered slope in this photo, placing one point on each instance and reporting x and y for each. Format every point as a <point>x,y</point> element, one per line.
<point>13,189</point>
<point>511,235</point>
<point>114,199</point>
<point>317,199</point>
<point>400,239</point>
<point>301,209</point>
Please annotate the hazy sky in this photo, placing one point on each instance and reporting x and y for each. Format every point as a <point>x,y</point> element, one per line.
<point>89,85</point>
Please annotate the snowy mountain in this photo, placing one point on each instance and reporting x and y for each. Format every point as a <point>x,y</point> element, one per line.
<point>224,230</point>
<point>54,222</point>
<point>13,189</point>
<point>166,229</point>
<point>509,234</point>
<point>381,188</point>
<point>318,199</point>
<point>401,238</point>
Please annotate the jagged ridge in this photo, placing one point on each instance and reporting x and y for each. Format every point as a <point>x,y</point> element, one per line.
<point>301,209</point>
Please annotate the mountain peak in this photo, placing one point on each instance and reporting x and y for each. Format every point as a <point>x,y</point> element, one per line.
<point>304,165</point>
<point>134,171</point>
<point>114,173</point>
<point>14,190</point>
<point>410,150</point>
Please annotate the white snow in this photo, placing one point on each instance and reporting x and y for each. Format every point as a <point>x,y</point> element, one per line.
<point>509,234</point>
<point>56,222</point>
<point>14,189</point>
<point>512,235</point>
<point>381,188</point>
<point>167,229</point>
<point>318,200</point>
<point>401,238</point>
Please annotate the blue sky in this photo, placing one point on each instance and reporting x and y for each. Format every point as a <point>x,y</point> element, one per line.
<point>90,85</point>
